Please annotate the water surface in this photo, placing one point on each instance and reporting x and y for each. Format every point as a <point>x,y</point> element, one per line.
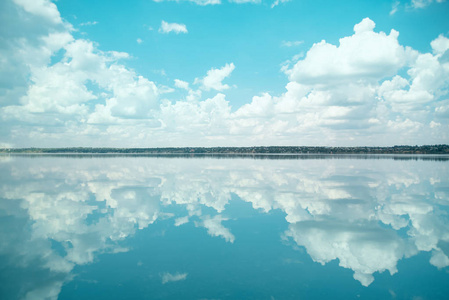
<point>114,227</point>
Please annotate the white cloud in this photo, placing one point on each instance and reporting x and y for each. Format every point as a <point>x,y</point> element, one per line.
<point>429,76</point>
<point>172,27</point>
<point>245,1</point>
<point>366,55</point>
<point>65,223</point>
<point>35,32</point>
<point>214,2</point>
<point>439,259</point>
<point>89,23</point>
<point>181,84</point>
<point>205,2</point>
<point>423,3</point>
<point>189,120</point>
<point>415,4</point>
<point>139,41</point>
<point>215,228</point>
<point>420,3</point>
<point>214,78</point>
<point>291,43</point>
<point>56,40</point>
<point>168,277</point>
<point>41,8</point>
<point>193,95</point>
<point>181,221</point>
<point>365,90</point>
<point>277,2</point>
<point>198,2</point>
<point>133,97</point>
<point>440,45</point>
<point>260,106</point>
<point>365,250</point>
<point>394,7</point>
<point>60,88</point>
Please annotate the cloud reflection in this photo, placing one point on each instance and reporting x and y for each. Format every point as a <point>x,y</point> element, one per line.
<point>345,210</point>
<point>168,277</point>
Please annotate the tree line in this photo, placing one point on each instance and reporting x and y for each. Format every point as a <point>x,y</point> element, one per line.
<point>402,149</point>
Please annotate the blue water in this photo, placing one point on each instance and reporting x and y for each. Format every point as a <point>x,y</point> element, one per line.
<point>205,228</point>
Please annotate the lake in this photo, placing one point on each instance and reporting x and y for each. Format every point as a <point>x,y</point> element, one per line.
<point>261,227</point>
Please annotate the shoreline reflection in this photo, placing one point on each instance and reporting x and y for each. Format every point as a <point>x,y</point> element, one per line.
<point>286,156</point>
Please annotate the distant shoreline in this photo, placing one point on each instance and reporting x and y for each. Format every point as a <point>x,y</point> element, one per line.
<point>259,150</point>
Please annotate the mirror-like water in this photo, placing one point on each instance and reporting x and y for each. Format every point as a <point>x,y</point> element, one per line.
<point>182,228</point>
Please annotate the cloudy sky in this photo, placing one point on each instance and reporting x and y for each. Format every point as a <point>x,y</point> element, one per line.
<point>223,73</point>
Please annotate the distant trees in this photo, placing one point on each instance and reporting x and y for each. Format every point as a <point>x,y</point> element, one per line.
<point>425,149</point>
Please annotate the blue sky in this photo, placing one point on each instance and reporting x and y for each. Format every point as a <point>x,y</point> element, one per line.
<point>211,73</point>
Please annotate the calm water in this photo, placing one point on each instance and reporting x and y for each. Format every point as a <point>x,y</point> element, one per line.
<point>206,228</point>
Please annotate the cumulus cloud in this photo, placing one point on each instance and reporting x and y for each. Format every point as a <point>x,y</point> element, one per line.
<point>42,8</point>
<point>335,88</point>
<point>35,32</point>
<point>60,88</point>
<point>172,27</point>
<point>192,94</point>
<point>428,78</point>
<point>181,84</point>
<point>208,118</point>
<point>214,78</point>
<point>440,45</point>
<point>366,55</point>
<point>366,89</point>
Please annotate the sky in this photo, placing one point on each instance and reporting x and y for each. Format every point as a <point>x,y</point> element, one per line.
<point>223,73</point>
